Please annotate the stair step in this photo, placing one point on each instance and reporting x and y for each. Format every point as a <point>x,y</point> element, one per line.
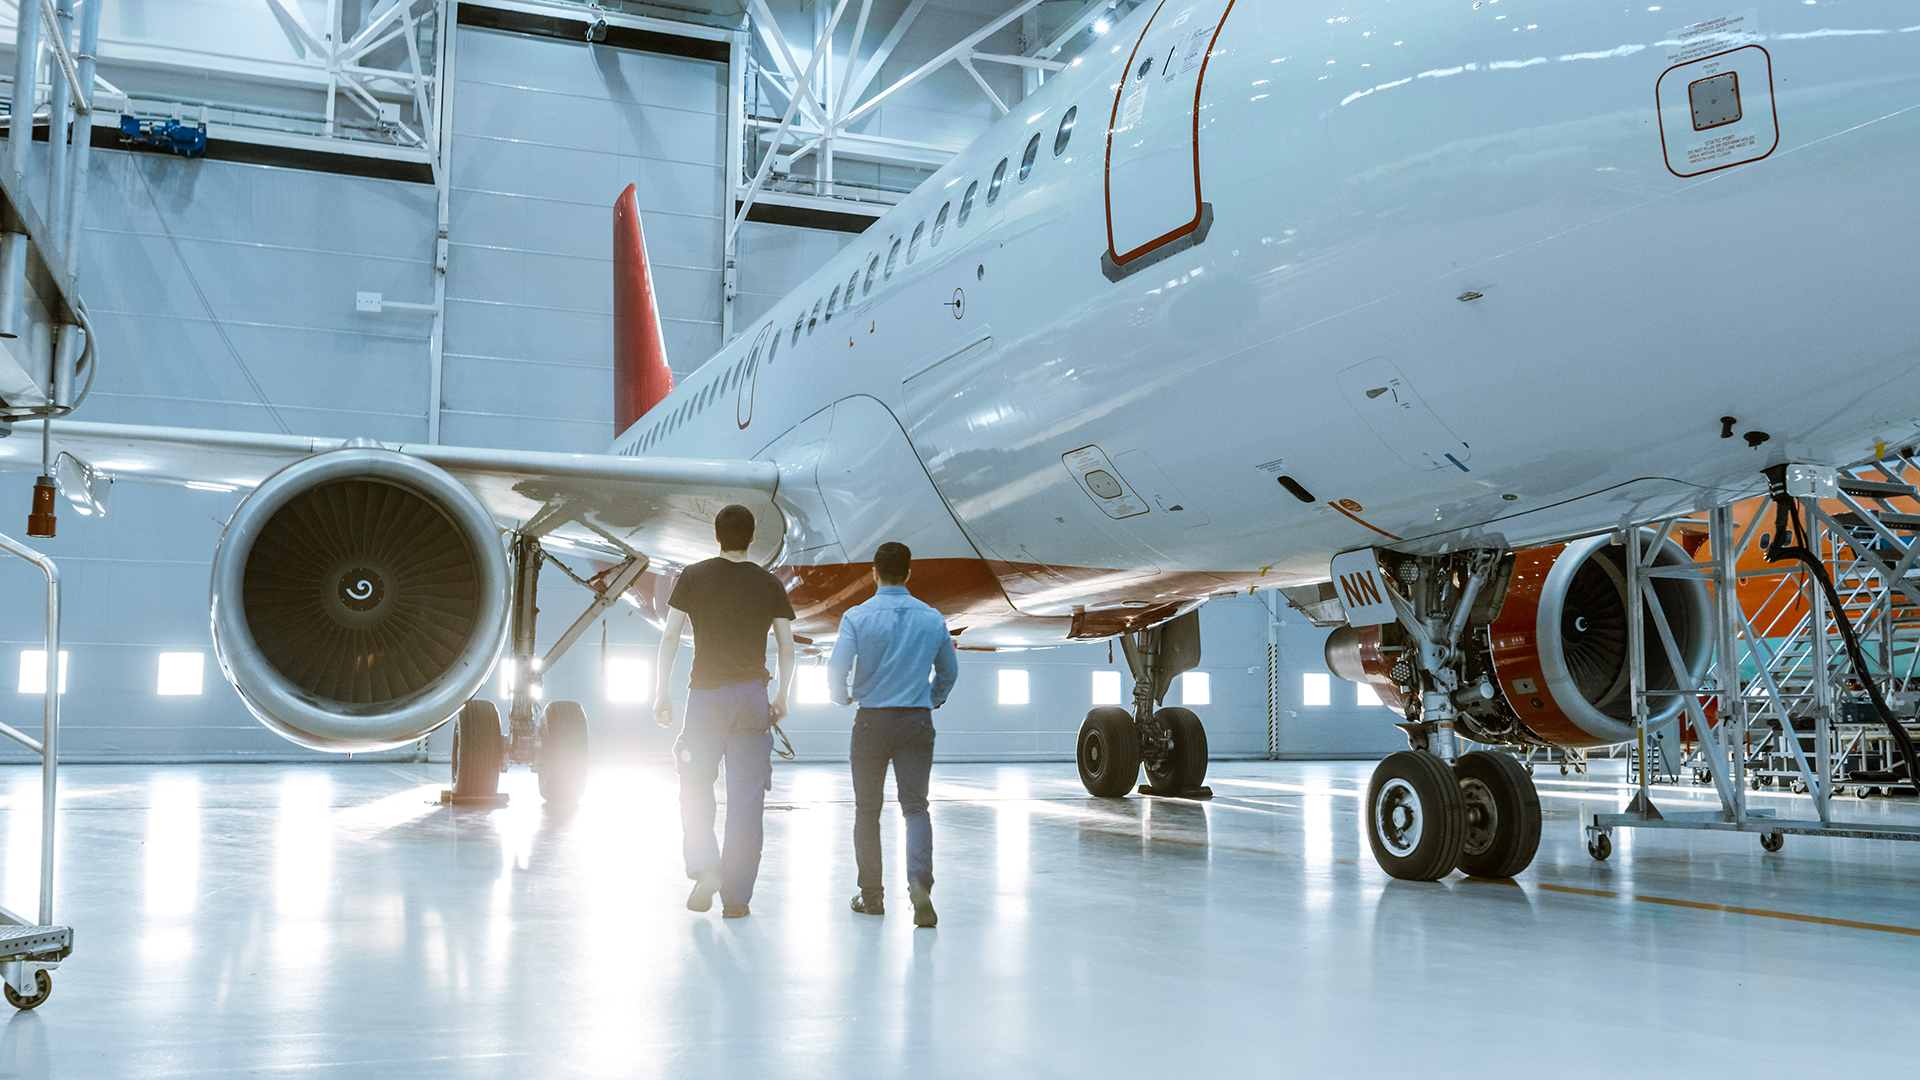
<point>1878,489</point>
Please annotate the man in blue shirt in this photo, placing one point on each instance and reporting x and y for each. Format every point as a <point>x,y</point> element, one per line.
<point>889,645</point>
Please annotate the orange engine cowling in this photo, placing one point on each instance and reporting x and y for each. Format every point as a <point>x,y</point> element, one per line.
<point>1558,647</point>
<point>1546,650</point>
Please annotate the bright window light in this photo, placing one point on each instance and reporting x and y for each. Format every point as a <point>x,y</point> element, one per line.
<point>810,686</point>
<point>1364,694</point>
<point>506,678</point>
<point>1013,686</point>
<point>33,671</point>
<point>180,674</point>
<point>1196,688</point>
<point>1106,688</point>
<point>1316,688</point>
<point>627,679</point>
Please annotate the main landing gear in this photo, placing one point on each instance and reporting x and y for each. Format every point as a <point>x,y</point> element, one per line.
<point>1171,742</point>
<point>551,739</point>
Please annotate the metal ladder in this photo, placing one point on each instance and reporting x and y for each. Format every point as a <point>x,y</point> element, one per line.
<point>31,949</point>
<point>1869,550</point>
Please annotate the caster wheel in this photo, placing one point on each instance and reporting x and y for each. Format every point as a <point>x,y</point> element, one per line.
<point>1773,841</point>
<point>1754,783</point>
<point>1529,768</point>
<point>43,982</point>
<point>1799,788</point>
<point>1563,770</point>
<point>1600,846</point>
<point>1863,792</point>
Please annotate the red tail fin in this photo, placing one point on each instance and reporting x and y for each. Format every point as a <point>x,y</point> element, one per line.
<point>641,376</point>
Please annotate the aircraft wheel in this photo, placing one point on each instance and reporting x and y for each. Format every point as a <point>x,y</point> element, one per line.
<point>1416,817</point>
<point>563,754</point>
<point>1503,815</point>
<point>1185,767</point>
<point>476,751</point>
<point>1773,841</point>
<point>43,986</point>
<point>1108,753</point>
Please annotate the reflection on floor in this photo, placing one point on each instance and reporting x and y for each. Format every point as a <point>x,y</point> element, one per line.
<point>308,921</point>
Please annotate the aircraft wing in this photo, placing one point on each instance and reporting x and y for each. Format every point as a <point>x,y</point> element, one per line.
<point>662,507</point>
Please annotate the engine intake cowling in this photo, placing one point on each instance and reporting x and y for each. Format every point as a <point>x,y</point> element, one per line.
<point>359,599</point>
<point>1559,643</point>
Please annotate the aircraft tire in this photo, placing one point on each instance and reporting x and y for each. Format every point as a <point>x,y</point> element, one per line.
<point>1108,753</point>
<point>1185,768</point>
<point>563,754</point>
<point>476,751</point>
<point>1416,817</point>
<point>1503,815</point>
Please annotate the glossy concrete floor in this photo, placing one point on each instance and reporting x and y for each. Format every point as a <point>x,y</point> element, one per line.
<point>322,921</point>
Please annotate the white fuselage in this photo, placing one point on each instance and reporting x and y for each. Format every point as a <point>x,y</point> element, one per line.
<point>1471,277</point>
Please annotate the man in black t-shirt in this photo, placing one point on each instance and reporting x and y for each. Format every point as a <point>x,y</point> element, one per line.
<point>732,603</point>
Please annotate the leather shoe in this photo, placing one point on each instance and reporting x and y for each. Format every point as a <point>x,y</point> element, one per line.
<point>705,884</point>
<point>734,911</point>
<point>868,907</point>
<point>923,913</point>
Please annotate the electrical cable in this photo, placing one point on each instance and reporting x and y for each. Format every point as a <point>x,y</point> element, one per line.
<point>1786,515</point>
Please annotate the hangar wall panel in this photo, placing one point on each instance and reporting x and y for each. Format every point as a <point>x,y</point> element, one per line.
<point>547,133</point>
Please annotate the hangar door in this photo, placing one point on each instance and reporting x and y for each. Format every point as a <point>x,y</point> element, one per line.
<point>1154,203</point>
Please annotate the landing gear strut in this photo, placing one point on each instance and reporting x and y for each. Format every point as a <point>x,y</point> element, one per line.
<point>1431,808</point>
<point>551,739</point>
<point>1170,742</point>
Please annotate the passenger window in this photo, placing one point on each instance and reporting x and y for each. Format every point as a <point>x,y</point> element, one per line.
<point>939,225</point>
<point>913,245</point>
<point>773,348</point>
<point>811,323</point>
<point>1066,132</point>
<point>872,269</point>
<point>966,205</point>
<point>893,256</point>
<point>1026,159</point>
<point>852,284</point>
<point>797,324</point>
<point>999,177</point>
<point>831,301</point>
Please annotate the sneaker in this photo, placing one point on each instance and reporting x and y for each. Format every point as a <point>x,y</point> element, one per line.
<point>705,884</point>
<point>734,911</point>
<point>868,907</point>
<point>923,914</point>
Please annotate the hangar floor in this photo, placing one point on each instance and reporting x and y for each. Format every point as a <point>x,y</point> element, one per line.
<point>312,921</point>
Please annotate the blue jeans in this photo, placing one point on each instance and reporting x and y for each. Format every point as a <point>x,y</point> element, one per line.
<point>730,723</point>
<point>904,736</point>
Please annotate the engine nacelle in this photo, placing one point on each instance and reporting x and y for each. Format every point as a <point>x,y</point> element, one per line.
<point>359,599</point>
<point>1559,644</point>
<point>1545,651</point>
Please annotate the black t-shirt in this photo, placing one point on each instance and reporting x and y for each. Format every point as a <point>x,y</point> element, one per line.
<point>732,605</point>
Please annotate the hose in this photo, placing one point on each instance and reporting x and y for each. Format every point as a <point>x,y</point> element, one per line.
<point>1786,515</point>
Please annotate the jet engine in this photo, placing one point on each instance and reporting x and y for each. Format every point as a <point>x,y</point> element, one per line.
<point>359,599</point>
<point>1543,659</point>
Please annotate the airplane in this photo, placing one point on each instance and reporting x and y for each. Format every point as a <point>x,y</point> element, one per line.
<point>1411,307</point>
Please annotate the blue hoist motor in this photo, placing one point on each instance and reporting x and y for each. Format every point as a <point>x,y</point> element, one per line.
<point>171,136</point>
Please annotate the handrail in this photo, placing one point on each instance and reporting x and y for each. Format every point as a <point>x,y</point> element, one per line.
<point>49,744</point>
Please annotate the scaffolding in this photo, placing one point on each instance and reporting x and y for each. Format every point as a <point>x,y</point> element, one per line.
<point>1782,705</point>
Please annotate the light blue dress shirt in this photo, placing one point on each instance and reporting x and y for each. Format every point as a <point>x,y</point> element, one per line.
<point>888,645</point>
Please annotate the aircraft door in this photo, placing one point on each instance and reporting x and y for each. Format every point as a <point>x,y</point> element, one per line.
<point>1154,202</point>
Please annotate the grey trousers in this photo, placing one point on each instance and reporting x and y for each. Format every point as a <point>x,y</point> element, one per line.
<point>904,737</point>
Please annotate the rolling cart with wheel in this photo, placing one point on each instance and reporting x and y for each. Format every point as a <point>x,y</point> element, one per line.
<point>30,949</point>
